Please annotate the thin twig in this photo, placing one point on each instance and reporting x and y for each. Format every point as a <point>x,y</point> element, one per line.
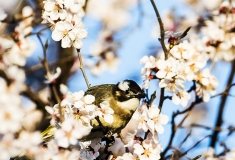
<point>225,92</point>
<point>173,131</point>
<point>3,74</point>
<point>162,31</point>
<point>207,127</point>
<point>162,98</point>
<point>173,125</point>
<point>85,5</point>
<point>82,68</point>
<point>44,61</point>
<point>122,138</point>
<point>185,139</point>
<point>183,154</point>
<point>153,96</point>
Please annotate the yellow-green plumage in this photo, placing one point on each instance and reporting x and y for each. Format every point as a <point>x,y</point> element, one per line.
<point>122,112</point>
<point>121,116</point>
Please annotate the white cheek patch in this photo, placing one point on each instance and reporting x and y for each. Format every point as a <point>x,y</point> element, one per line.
<point>118,93</point>
<point>123,85</point>
<point>130,104</point>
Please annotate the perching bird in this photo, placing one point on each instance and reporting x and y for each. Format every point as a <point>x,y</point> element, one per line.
<point>123,97</point>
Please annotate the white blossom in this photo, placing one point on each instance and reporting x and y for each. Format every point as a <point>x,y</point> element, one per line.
<point>10,118</point>
<point>207,84</point>
<point>172,85</point>
<point>182,51</point>
<point>156,120</point>
<point>52,77</point>
<point>70,132</point>
<point>29,142</point>
<point>181,97</point>
<point>141,117</point>
<point>106,112</point>
<point>126,156</point>
<point>3,15</point>
<point>148,150</point>
<point>167,68</point>
<point>53,11</point>
<point>7,146</point>
<point>68,34</point>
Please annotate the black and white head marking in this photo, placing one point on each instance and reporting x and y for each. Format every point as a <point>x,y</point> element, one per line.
<point>124,85</point>
<point>128,94</point>
<point>128,89</point>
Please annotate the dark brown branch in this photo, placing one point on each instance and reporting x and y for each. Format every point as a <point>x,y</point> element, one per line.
<point>224,152</point>
<point>185,139</point>
<point>207,127</point>
<point>122,138</point>
<point>173,131</point>
<point>224,98</point>
<point>44,62</point>
<point>162,98</point>
<point>173,126</point>
<point>225,92</point>
<point>153,96</point>
<point>193,87</point>
<point>197,157</point>
<point>85,5</point>
<point>162,34</point>
<point>4,76</point>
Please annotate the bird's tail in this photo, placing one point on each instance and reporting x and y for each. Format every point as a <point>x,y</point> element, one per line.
<point>48,133</point>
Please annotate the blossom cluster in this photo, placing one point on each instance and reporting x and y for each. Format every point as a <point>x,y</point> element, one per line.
<point>16,134</point>
<point>18,123</point>
<point>218,34</point>
<point>187,60</point>
<point>77,111</point>
<point>143,143</point>
<point>18,47</point>
<point>65,17</point>
<point>185,63</point>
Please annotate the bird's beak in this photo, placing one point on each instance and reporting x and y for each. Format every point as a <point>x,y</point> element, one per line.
<point>141,95</point>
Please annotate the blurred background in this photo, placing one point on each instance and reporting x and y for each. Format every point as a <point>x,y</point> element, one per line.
<point>120,34</point>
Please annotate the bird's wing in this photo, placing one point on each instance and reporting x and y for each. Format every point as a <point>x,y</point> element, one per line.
<point>101,92</point>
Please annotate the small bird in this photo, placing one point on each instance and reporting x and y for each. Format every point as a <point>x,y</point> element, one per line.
<point>123,97</point>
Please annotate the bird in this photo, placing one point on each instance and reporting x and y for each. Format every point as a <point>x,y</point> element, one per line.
<point>123,97</point>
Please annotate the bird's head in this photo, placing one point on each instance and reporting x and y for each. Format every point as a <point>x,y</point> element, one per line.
<point>127,90</point>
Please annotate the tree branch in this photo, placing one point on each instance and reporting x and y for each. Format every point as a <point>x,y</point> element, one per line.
<point>82,68</point>
<point>224,98</point>
<point>162,34</point>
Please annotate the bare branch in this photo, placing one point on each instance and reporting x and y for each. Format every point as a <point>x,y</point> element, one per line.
<point>82,68</point>
<point>162,98</point>
<point>162,36</point>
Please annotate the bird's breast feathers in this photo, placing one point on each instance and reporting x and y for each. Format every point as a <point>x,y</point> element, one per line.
<point>130,104</point>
